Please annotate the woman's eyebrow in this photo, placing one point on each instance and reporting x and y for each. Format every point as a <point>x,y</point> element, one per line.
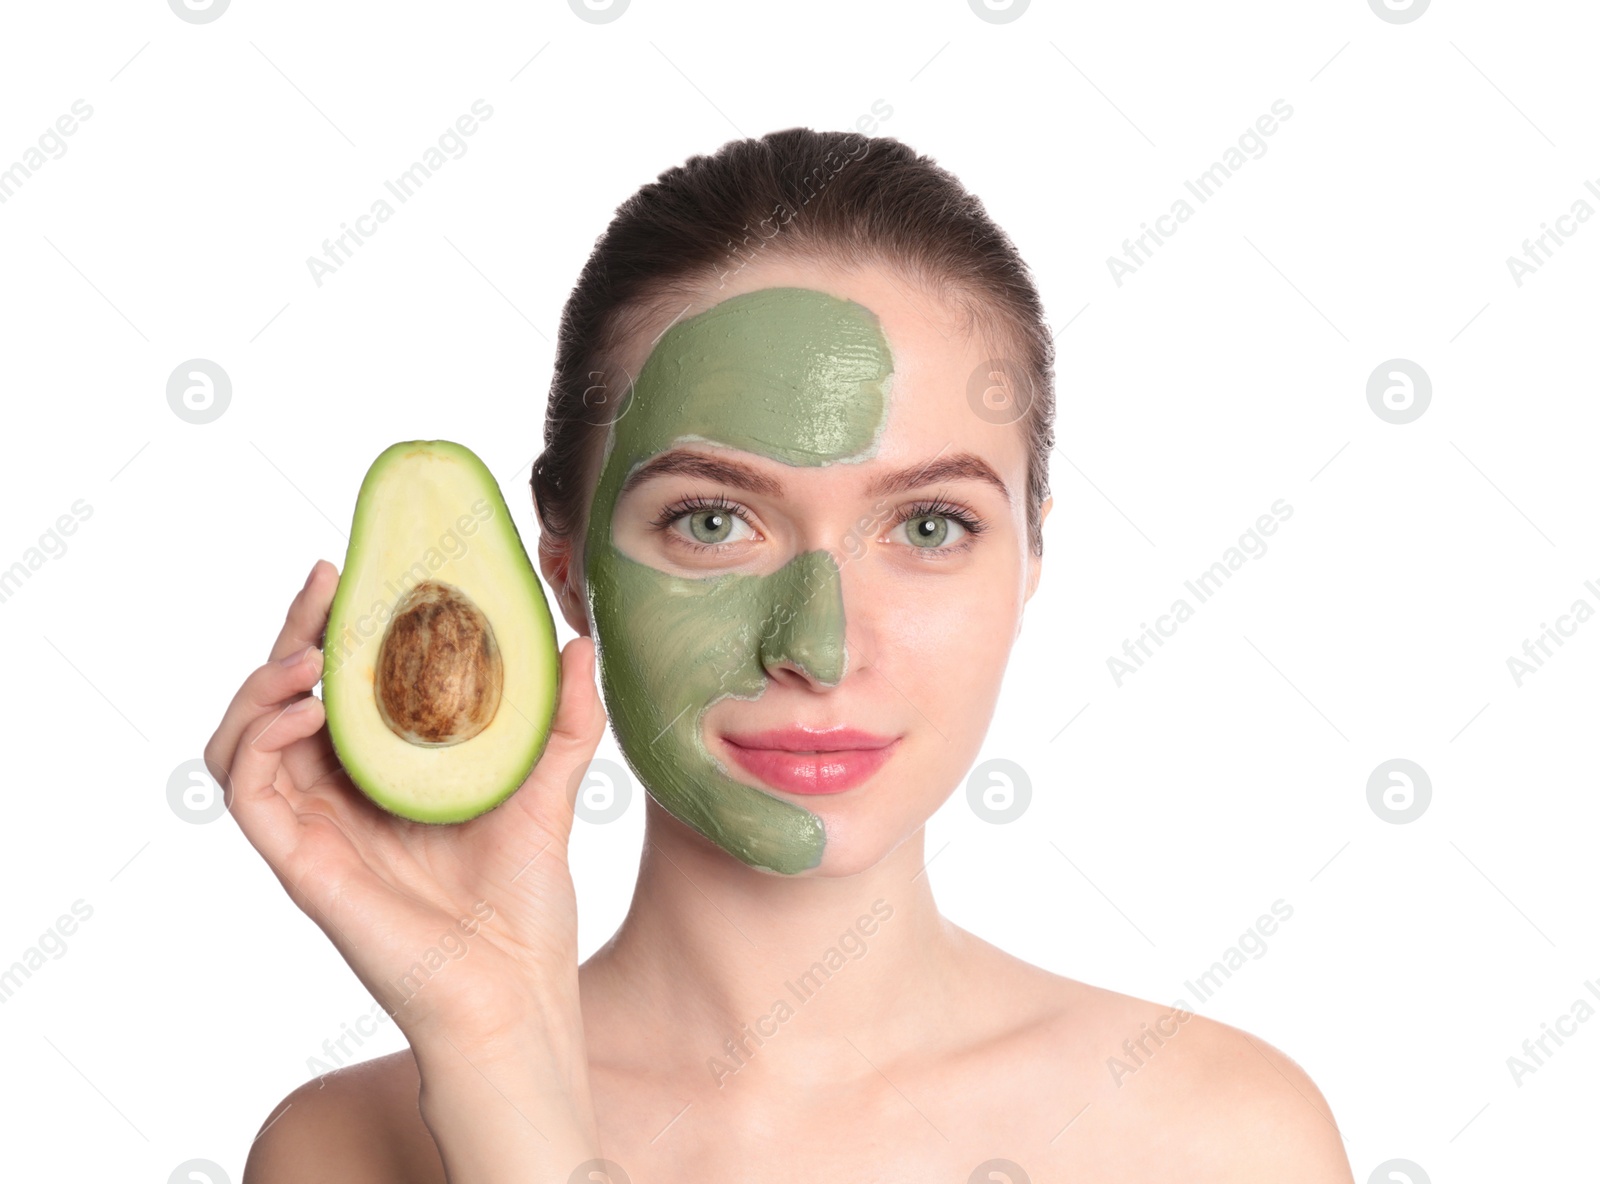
<point>697,464</point>
<point>960,466</point>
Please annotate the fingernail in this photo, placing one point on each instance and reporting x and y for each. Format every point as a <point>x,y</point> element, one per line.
<point>312,574</point>
<point>295,658</point>
<point>300,705</point>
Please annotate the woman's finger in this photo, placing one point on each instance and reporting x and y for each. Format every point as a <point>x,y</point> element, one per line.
<point>575,732</point>
<point>267,688</point>
<point>257,804</point>
<point>308,612</point>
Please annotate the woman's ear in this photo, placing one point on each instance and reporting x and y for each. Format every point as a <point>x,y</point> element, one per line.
<point>556,562</point>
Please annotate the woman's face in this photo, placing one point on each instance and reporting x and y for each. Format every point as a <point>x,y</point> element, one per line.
<point>805,522</point>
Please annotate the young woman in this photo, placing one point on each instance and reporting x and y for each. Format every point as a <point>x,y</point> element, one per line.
<point>791,500</point>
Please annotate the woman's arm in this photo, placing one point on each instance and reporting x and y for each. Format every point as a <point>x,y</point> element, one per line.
<point>494,1115</point>
<point>496,1029</point>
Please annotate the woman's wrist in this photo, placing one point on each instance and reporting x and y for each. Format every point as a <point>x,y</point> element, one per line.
<point>515,1110</point>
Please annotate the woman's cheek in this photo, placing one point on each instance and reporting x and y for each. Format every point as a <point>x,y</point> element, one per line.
<point>948,653</point>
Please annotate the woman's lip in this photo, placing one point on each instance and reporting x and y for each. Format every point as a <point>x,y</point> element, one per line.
<point>811,740</point>
<point>813,773</point>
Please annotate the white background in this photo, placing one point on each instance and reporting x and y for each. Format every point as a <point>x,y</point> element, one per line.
<point>1230,371</point>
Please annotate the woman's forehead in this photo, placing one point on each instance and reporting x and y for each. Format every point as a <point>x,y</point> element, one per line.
<point>796,374</point>
<point>827,368</point>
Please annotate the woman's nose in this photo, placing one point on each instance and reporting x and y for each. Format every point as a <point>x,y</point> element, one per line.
<point>804,626</point>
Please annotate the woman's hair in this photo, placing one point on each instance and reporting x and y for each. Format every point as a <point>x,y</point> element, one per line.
<point>837,199</point>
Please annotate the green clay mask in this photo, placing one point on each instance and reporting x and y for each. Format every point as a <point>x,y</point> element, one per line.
<point>791,374</point>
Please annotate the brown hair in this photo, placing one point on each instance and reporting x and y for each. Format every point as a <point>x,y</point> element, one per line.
<point>834,198</point>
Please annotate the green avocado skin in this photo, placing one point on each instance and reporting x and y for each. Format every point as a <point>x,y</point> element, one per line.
<point>359,613</point>
<point>793,374</point>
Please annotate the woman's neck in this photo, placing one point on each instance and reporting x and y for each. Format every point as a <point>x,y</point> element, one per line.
<point>748,974</point>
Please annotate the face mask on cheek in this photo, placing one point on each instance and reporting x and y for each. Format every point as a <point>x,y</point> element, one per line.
<point>791,374</point>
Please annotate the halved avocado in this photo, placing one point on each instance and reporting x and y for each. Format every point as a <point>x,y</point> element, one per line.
<point>441,669</point>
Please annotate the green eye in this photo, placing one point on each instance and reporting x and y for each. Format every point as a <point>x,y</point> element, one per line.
<point>931,531</point>
<point>710,526</point>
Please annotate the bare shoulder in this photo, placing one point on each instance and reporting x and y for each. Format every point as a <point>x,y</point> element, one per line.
<point>1245,1109</point>
<point>1153,1091</point>
<point>1197,1095</point>
<point>356,1125</point>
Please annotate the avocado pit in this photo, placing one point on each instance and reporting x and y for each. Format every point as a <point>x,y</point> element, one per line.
<point>439,671</point>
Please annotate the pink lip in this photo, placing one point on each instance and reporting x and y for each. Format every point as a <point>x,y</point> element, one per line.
<point>809,760</point>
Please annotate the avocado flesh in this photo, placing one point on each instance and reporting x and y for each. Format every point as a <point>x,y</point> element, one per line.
<point>441,668</point>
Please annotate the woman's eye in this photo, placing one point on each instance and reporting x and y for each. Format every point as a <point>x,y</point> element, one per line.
<point>712,528</point>
<point>932,531</point>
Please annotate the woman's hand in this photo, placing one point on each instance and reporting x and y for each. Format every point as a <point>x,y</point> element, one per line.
<point>399,898</point>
